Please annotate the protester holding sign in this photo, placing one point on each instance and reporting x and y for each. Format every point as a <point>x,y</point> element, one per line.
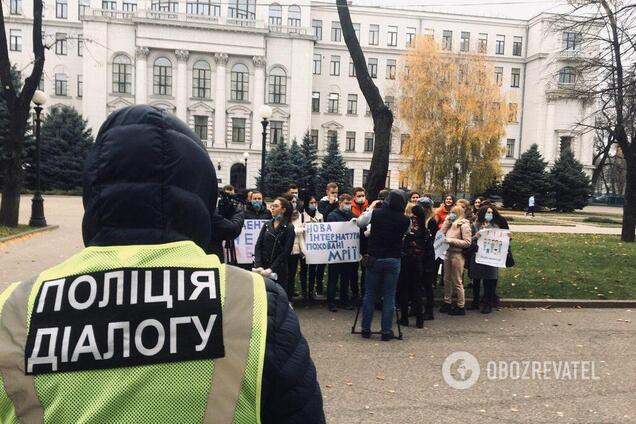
<point>275,243</point>
<point>456,229</point>
<point>488,218</point>
<point>314,272</point>
<point>388,226</point>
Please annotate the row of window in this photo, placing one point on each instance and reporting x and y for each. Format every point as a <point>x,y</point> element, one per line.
<point>372,65</point>
<point>201,80</point>
<point>61,42</point>
<point>61,83</point>
<point>374,33</point>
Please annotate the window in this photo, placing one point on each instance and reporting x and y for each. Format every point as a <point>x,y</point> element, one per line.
<point>349,177</point>
<point>239,82</point>
<point>373,67</point>
<point>317,63</point>
<point>570,41</point>
<point>482,43</point>
<point>41,83</point>
<point>410,36</point>
<point>277,91</point>
<point>391,65</point>
<point>367,109</point>
<point>336,31</point>
<point>334,102</point>
<point>131,6</point>
<point>351,141</point>
<point>447,40</point>
<point>566,143</point>
<point>334,68</point>
<point>201,80</point>
<point>392,36</point>
<point>293,15</point>
<point>201,127</point>
<point>61,44</point>
<point>429,33</point>
<point>15,40</point>
<point>374,35</point>
<point>500,44</point>
<point>352,69</point>
<point>315,101</point>
<point>499,75</point>
<point>332,136</point>
<point>109,5</point>
<point>464,42</point>
<point>276,132</point>
<point>61,82</point>
<point>15,7</point>
<point>368,141</point>
<point>61,9</point>
<point>275,14</point>
<point>510,148</point>
<point>404,138</point>
<point>162,77</point>
<point>389,101</point>
<point>365,177</point>
<point>82,7</point>
<point>164,6</point>
<point>238,130</point>
<point>314,138</point>
<point>242,9</point>
<point>567,75</point>
<point>201,8</point>
<point>356,30</point>
<point>80,86</point>
<point>516,46</point>
<point>515,77</point>
<point>352,104</point>
<point>316,24</point>
<point>122,74</point>
<point>512,113</point>
<point>80,45</point>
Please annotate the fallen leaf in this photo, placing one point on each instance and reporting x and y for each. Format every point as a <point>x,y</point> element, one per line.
<point>379,377</point>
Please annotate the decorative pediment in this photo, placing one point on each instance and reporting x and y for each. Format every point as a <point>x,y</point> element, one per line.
<point>239,110</point>
<point>279,113</point>
<point>332,125</point>
<point>200,107</point>
<point>167,106</point>
<point>118,103</point>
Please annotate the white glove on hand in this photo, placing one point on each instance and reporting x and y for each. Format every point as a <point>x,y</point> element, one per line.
<point>257,270</point>
<point>266,272</point>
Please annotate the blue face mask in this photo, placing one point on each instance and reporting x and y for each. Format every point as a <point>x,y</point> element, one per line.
<point>488,217</point>
<point>312,207</point>
<point>346,208</point>
<point>452,217</point>
<point>278,217</point>
<point>256,204</point>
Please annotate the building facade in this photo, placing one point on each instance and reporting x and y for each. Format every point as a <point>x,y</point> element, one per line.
<point>214,64</point>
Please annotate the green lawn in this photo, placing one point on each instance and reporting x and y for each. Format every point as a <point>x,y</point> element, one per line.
<point>570,266</point>
<point>9,231</point>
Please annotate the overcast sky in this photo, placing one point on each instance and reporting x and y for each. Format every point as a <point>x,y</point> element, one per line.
<point>505,8</point>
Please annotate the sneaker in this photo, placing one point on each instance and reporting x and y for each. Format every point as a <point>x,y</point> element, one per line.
<point>387,337</point>
<point>419,321</point>
<point>366,334</point>
<point>446,307</point>
<point>457,311</point>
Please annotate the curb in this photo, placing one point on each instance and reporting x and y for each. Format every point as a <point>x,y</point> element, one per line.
<point>31,232</point>
<point>531,303</point>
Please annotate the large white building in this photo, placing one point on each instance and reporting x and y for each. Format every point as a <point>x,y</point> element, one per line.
<point>214,64</point>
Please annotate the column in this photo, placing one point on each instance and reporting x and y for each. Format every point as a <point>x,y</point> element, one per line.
<point>549,148</point>
<point>182,84</point>
<point>219,99</point>
<point>259,100</point>
<point>141,74</point>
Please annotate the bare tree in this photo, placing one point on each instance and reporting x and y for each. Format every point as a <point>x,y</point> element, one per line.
<point>18,107</point>
<point>606,31</point>
<point>382,115</point>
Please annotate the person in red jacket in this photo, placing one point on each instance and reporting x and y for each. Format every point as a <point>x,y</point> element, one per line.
<point>360,202</point>
<point>444,210</point>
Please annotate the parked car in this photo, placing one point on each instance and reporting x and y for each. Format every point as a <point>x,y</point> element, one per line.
<point>609,199</point>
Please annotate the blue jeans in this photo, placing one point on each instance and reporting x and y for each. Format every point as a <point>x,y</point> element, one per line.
<point>382,276</point>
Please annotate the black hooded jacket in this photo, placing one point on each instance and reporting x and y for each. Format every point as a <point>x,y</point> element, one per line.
<point>149,180</point>
<point>388,225</point>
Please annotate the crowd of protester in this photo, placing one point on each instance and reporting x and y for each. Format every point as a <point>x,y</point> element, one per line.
<point>398,266</point>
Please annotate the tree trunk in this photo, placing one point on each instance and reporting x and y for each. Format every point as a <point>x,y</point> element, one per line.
<point>10,207</point>
<point>382,115</point>
<point>629,208</point>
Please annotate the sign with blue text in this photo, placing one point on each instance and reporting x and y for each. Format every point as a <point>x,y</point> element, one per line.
<point>332,242</point>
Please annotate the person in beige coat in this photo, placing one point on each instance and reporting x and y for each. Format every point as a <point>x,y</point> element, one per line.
<point>457,231</point>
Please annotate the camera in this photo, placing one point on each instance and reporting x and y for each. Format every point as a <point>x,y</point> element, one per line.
<point>228,204</point>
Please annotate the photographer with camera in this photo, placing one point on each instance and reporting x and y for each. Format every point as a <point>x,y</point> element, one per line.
<point>228,222</point>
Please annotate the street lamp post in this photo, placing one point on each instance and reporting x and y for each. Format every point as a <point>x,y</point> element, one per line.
<point>265,113</point>
<point>37,203</point>
<point>456,177</point>
<point>246,156</point>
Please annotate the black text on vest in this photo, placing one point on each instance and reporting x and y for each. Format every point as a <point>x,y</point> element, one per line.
<point>125,317</point>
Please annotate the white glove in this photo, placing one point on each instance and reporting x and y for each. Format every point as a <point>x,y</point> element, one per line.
<point>257,270</point>
<point>266,272</point>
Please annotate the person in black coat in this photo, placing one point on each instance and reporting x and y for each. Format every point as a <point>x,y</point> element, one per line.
<point>329,202</point>
<point>149,180</point>
<point>256,208</point>
<point>340,271</point>
<point>275,243</point>
<point>428,257</point>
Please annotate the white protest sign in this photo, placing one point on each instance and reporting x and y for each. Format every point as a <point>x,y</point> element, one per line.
<point>245,244</point>
<point>492,247</point>
<point>440,245</point>
<point>332,242</point>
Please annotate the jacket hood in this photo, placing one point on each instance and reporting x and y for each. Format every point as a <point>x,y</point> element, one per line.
<point>147,180</point>
<point>396,200</point>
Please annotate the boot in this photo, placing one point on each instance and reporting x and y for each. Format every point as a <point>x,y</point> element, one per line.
<point>419,321</point>
<point>404,319</point>
<point>457,311</point>
<point>428,314</point>
<point>474,306</point>
<point>446,307</point>
<point>486,309</point>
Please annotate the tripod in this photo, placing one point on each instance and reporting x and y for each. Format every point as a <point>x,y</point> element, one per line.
<point>230,253</point>
<point>355,322</point>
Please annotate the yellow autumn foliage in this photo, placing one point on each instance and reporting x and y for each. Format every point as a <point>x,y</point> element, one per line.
<point>455,113</point>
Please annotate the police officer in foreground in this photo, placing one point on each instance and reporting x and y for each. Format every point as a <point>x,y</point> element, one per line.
<point>142,326</point>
